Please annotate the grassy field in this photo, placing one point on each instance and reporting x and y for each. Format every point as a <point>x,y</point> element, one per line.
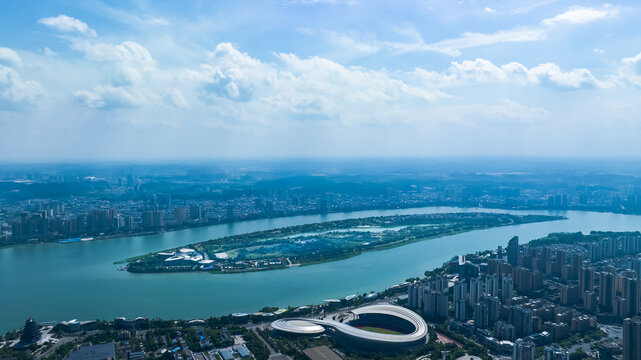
<point>379,330</point>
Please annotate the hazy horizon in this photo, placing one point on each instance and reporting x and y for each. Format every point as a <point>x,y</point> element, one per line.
<point>320,158</point>
<point>347,166</point>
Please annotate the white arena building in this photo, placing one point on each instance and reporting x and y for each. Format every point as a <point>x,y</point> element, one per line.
<point>406,328</point>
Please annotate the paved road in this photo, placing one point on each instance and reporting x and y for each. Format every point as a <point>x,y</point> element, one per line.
<point>273,354</point>
<point>271,350</point>
<point>615,332</point>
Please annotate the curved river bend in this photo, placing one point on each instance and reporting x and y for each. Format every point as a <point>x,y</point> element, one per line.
<point>56,282</point>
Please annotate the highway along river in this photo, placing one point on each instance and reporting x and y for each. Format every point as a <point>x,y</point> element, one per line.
<point>55,282</point>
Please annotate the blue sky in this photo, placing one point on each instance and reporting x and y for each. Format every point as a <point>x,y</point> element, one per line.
<point>121,80</point>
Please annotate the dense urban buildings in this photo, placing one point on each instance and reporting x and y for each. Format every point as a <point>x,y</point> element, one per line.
<point>632,338</point>
<point>559,292</point>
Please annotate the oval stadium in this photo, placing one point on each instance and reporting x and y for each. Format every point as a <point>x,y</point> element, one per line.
<point>381,327</point>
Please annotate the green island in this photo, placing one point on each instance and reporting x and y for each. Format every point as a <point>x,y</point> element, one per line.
<point>319,242</point>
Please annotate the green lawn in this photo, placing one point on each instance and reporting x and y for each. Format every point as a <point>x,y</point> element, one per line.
<point>379,330</point>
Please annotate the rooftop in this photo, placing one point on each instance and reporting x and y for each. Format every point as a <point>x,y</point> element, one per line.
<point>321,353</point>
<point>94,352</point>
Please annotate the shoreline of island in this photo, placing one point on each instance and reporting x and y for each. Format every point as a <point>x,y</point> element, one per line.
<point>339,240</point>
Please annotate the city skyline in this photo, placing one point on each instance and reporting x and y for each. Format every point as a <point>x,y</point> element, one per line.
<point>316,78</point>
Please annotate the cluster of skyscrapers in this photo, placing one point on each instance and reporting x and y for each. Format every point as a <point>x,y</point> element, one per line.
<point>46,225</point>
<point>506,299</point>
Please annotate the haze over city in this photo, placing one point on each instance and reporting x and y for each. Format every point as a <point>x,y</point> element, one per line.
<point>318,78</point>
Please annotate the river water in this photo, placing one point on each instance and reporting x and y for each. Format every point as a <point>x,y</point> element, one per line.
<point>54,282</point>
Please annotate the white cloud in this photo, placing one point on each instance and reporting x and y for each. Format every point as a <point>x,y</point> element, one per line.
<point>66,23</point>
<point>131,77</point>
<point>126,52</point>
<point>128,63</point>
<point>415,43</point>
<point>453,46</point>
<point>305,31</point>
<point>632,60</point>
<point>362,48</point>
<point>176,98</point>
<point>505,111</point>
<point>241,88</point>
<point>157,21</point>
<point>235,75</point>
<point>48,52</point>
<point>576,15</point>
<point>141,16</point>
<point>15,93</point>
<point>484,71</point>
<point>630,70</point>
<point>10,58</point>
<point>576,78</point>
<point>598,51</point>
<point>109,97</point>
<point>354,83</point>
<point>470,40</point>
<point>305,89</point>
<point>582,15</point>
<point>532,6</point>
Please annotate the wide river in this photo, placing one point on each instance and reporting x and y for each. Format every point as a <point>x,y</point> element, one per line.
<point>55,282</point>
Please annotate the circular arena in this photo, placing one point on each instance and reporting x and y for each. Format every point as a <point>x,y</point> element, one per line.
<point>382,327</point>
